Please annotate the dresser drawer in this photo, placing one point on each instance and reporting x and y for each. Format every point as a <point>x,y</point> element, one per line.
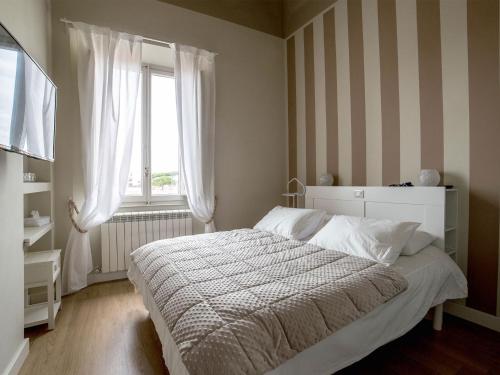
<point>41,270</point>
<point>38,273</point>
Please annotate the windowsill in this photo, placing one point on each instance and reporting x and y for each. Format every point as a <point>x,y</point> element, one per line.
<point>159,204</point>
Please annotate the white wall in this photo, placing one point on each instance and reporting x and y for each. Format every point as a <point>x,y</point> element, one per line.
<point>250,130</point>
<point>29,22</point>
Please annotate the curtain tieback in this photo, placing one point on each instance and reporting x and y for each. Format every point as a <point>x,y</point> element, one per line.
<point>72,207</point>
<point>213,214</point>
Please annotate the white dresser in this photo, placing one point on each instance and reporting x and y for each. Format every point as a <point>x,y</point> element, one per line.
<point>42,269</point>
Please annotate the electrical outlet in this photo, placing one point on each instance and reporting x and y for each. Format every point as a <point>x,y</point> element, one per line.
<point>359,193</point>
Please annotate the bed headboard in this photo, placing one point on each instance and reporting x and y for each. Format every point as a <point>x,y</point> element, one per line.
<point>425,205</point>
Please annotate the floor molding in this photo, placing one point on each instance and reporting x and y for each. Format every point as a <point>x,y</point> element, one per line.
<point>18,358</point>
<point>94,278</point>
<point>473,315</point>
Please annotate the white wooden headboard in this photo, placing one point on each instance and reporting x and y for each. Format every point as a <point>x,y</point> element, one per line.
<point>425,205</point>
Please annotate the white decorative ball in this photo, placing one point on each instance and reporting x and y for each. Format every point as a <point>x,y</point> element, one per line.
<point>429,177</point>
<point>326,180</point>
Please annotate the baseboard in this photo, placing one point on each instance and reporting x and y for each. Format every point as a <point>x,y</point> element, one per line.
<point>18,359</point>
<point>473,315</point>
<point>99,277</point>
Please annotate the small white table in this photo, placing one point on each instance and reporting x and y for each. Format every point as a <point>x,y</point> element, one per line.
<point>42,268</point>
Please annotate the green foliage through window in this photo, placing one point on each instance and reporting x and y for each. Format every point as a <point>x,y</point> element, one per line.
<point>163,178</point>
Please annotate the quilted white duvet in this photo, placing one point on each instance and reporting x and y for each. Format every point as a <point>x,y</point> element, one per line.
<point>245,301</point>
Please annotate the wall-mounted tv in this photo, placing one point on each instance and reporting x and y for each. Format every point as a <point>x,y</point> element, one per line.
<point>27,102</point>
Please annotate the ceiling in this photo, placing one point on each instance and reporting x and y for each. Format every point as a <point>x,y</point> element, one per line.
<point>262,15</point>
<point>296,13</point>
<point>276,17</point>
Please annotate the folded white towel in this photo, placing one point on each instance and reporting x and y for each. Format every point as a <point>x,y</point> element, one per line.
<point>36,221</point>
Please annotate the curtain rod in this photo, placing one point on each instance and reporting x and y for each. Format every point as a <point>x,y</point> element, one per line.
<point>149,40</point>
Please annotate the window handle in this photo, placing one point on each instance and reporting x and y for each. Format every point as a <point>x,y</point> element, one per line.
<point>146,171</point>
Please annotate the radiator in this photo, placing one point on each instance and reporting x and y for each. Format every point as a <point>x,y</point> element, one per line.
<point>127,231</point>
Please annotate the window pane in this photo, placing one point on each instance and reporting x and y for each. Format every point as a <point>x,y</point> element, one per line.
<point>164,140</point>
<point>134,186</point>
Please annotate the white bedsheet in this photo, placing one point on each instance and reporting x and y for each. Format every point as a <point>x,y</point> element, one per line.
<point>432,276</point>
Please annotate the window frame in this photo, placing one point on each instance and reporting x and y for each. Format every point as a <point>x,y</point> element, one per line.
<point>147,198</point>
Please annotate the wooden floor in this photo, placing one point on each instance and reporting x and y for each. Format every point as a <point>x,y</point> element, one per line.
<point>105,329</point>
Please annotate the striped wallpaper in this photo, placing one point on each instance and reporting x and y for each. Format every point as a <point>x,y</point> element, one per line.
<point>379,89</point>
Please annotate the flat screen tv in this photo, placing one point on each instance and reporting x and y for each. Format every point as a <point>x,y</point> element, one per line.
<point>27,102</point>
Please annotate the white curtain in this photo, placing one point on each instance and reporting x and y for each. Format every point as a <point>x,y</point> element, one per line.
<point>195,94</point>
<point>108,66</point>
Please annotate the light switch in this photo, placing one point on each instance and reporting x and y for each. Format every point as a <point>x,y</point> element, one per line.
<point>359,193</point>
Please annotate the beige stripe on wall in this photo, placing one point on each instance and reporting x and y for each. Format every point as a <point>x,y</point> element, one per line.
<point>409,93</point>
<point>456,111</point>
<point>292,111</point>
<point>484,114</point>
<point>357,82</point>
<point>372,93</point>
<point>301,109</point>
<point>343,93</point>
<point>310,105</point>
<point>332,153</point>
<point>319,96</point>
<point>389,91</point>
<point>431,92</point>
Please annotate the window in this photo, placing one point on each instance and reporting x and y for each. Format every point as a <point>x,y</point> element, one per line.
<point>154,170</point>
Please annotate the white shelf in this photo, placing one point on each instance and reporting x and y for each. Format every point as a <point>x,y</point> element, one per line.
<point>36,187</point>
<point>33,234</point>
<point>38,314</point>
<point>451,223</point>
<point>42,256</point>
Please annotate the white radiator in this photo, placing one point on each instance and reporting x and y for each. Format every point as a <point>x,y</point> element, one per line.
<point>127,231</point>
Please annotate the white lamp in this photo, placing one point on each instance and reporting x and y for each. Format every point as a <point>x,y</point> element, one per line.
<point>294,195</point>
<point>429,177</point>
<point>326,179</point>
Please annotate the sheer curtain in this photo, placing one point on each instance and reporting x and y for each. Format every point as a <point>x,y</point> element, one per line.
<point>108,66</point>
<point>195,94</point>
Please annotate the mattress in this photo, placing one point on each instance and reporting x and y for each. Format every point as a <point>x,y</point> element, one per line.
<point>432,278</point>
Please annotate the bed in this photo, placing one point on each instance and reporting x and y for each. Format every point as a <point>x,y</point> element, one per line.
<point>430,278</point>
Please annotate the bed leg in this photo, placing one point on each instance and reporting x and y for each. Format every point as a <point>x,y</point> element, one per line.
<point>437,321</point>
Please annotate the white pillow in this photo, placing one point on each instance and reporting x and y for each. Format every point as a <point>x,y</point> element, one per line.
<point>323,222</point>
<point>417,242</point>
<point>295,223</point>
<point>378,240</point>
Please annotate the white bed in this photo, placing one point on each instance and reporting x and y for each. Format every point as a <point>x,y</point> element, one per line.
<point>432,276</point>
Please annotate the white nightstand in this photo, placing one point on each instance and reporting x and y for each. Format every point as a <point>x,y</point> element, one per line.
<point>42,268</point>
